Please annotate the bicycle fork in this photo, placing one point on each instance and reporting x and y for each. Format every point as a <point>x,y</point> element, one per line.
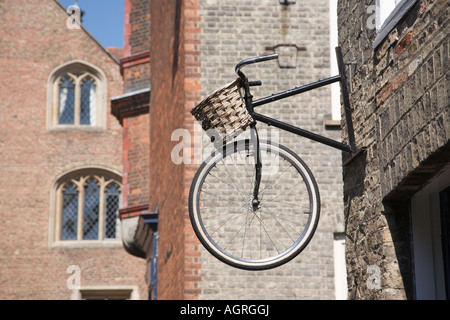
<point>248,98</point>
<point>258,166</point>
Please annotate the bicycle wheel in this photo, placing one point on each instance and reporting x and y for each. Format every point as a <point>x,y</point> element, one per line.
<point>231,228</point>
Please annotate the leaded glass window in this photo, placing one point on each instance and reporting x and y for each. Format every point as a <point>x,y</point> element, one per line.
<point>69,212</point>
<point>77,99</point>
<point>88,208</point>
<point>66,101</point>
<point>111,208</point>
<point>91,210</point>
<point>88,102</point>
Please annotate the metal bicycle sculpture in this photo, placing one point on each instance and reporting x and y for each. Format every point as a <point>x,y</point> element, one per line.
<point>254,204</point>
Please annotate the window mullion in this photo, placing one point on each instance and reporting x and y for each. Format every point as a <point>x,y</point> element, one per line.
<point>97,102</point>
<point>58,208</point>
<point>77,103</point>
<point>80,208</point>
<point>101,210</point>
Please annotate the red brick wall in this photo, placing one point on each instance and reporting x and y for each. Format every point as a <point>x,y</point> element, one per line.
<point>34,42</point>
<point>135,67</point>
<point>136,71</point>
<point>166,115</point>
<point>135,160</point>
<point>175,90</point>
<point>139,20</point>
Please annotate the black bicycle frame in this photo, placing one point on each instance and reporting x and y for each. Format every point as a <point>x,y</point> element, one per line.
<point>342,78</point>
<point>250,104</point>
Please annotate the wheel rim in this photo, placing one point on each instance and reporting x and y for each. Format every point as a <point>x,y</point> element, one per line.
<point>236,231</point>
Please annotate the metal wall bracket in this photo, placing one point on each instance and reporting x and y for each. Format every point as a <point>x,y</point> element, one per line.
<point>354,156</point>
<point>342,78</point>
<point>350,73</point>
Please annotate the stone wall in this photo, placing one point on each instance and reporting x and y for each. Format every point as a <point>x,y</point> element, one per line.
<point>230,31</point>
<point>192,55</point>
<point>401,114</point>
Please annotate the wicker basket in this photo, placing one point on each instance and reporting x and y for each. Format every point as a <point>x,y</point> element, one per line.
<point>224,110</point>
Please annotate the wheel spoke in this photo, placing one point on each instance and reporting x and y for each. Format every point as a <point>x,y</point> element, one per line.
<point>251,237</point>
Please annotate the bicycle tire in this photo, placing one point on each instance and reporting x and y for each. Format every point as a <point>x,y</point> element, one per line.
<point>209,215</point>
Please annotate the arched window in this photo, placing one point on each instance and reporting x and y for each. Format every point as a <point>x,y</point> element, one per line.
<point>86,206</point>
<point>76,97</point>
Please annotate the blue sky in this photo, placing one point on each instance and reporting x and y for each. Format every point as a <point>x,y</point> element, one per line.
<point>103,19</point>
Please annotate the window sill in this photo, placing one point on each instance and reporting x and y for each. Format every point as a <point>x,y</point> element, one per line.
<point>86,244</point>
<point>392,20</point>
<point>330,124</point>
<point>65,128</point>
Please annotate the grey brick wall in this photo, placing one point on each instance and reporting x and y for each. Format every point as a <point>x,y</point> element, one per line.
<point>236,30</point>
<point>401,115</point>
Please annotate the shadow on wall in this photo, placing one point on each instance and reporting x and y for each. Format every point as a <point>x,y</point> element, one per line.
<point>378,248</point>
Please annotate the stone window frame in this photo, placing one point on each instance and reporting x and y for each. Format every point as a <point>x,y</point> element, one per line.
<point>77,70</point>
<point>104,177</point>
<point>400,10</point>
<point>335,87</point>
<point>340,274</point>
<point>426,228</point>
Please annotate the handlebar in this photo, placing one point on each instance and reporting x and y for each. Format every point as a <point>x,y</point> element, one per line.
<point>254,60</point>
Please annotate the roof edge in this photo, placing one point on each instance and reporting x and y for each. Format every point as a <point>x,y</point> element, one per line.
<point>91,36</point>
